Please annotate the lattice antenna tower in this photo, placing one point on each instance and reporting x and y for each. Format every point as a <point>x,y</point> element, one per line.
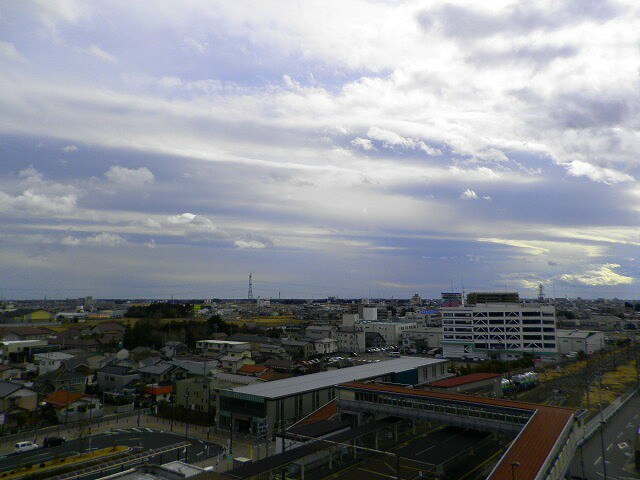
<point>250,293</point>
<point>540,292</point>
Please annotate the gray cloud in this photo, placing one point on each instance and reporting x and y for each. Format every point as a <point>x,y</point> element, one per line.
<point>465,23</point>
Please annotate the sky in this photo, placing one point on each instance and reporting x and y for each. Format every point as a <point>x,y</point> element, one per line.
<point>348,148</point>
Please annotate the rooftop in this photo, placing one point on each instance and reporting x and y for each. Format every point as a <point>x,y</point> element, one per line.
<point>315,381</point>
<point>464,380</point>
<point>62,398</point>
<point>530,448</point>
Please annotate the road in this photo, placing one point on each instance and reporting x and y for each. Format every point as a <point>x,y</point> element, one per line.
<point>147,438</point>
<point>619,433</point>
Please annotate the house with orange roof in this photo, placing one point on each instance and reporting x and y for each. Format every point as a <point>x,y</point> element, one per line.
<point>74,406</point>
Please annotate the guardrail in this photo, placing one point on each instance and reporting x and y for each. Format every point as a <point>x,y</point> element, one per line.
<point>121,463</point>
<point>596,422</point>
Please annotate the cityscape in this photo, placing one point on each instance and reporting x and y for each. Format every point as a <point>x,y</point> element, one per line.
<point>304,240</point>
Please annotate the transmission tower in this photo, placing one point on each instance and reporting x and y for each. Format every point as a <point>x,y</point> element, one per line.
<point>250,294</point>
<point>540,292</point>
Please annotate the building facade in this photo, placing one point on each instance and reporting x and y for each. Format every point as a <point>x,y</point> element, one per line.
<point>498,330</point>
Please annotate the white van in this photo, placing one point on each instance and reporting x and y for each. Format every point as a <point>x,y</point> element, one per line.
<point>21,447</point>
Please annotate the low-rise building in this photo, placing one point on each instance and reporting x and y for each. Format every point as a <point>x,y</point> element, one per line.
<point>390,331</point>
<point>325,346</point>
<point>351,339</point>
<point>422,338</point>
<point>113,378</point>
<point>487,383</point>
<point>223,347</point>
<point>162,372</point>
<point>586,341</point>
<point>73,407</point>
<point>50,361</point>
<point>17,351</point>
<point>15,400</point>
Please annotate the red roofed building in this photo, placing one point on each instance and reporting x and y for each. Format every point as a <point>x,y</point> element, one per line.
<point>252,370</point>
<point>74,406</point>
<point>473,383</point>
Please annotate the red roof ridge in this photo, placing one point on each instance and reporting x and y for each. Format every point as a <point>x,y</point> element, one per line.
<point>464,379</point>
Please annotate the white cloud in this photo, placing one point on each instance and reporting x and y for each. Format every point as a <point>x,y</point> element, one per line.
<point>195,45</point>
<point>249,244</point>
<point>9,51</point>
<point>69,148</point>
<point>130,177</point>
<point>181,219</point>
<point>36,196</point>
<point>530,247</point>
<point>598,275</point>
<point>578,168</point>
<point>99,53</point>
<point>391,139</point>
<point>469,194</point>
<point>364,143</point>
<point>97,240</point>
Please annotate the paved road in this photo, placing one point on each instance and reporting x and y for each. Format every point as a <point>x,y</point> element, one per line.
<point>146,438</point>
<point>619,435</point>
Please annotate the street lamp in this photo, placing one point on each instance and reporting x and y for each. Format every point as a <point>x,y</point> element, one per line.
<point>514,465</point>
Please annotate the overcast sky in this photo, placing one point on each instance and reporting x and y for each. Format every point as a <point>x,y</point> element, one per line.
<point>349,148</point>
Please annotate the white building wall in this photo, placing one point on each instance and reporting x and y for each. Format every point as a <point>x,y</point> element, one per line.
<point>502,330</point>
<point>390,331</point>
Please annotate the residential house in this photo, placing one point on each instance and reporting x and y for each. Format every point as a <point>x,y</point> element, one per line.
<point>50,361</point>
<point>252,370</point>
<point>172,349</point>
<point>298,349</point>
<point>115,378</point>
<point>16,403</point>
<point>73,407</point>
<point>223,347</point>
<point>233,362</point>
<point>162,372</point>
<point>197,364</point>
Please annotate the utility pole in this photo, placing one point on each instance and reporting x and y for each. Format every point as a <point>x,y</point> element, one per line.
<point>604,458</point>
<point>186,431</point>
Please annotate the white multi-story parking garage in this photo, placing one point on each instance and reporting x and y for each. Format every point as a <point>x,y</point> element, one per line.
<point>498,330</point>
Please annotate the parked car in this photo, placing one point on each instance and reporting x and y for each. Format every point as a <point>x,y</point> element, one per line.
<point>52,442</point>
<point>22,447</point>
